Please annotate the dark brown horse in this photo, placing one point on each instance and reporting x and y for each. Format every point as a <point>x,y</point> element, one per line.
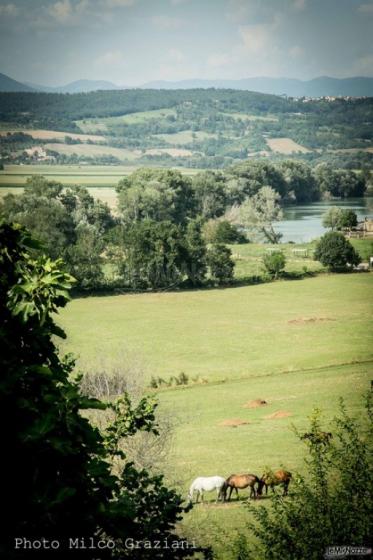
<point>238,482</point>
<point>272,479</point>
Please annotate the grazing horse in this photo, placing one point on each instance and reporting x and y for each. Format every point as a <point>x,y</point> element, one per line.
<point>240,481</point>
<point>206,484</point>
<point>273,479</point>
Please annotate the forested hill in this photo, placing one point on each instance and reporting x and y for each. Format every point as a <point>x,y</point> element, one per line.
<point>113,103</point>
<point>193,128</point>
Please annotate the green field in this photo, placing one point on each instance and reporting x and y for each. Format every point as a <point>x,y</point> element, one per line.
<point>295,344</point>
<point>102,124</point>
<point>87,175</point>
<point>224,334</point>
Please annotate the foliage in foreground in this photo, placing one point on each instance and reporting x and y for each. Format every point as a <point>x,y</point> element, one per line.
<point>59,481</point>
<point>331,506</point>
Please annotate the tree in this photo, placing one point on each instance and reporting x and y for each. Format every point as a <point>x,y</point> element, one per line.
<point>69,223</point>
<point>258,213</point>
<point>155,255</point>
<point>332,218</point>
<point>155,194</point>
<point>339,218</point>
<point>210,193</point>
<point>274,263</point>
<point>196,253</point>
<point>59,480</point>
<point>300,181</point>
<point>221,264</point>
<point>331,506</point>
<point>335,251</point>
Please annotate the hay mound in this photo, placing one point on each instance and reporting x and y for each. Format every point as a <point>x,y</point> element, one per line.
<point>255,404</point>
<point>233,423</point>
<point>278,414</point>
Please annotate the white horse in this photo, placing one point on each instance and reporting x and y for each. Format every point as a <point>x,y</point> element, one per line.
<point>206,484</point>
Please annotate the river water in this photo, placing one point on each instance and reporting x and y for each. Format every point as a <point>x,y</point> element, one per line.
<point>302,223</point>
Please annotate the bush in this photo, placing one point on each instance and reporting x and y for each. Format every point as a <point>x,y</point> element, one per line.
<point>274,263</point>
<point>332,506</point>
<point>221,264</point>
<point>58,470</point>
<point>335,251</point>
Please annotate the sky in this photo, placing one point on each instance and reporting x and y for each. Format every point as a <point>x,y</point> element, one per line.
<point>131,42</point>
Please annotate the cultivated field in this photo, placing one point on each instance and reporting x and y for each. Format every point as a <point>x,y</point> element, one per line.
<point>294,344</point>
<point>286,146</point>
<point>92,150</point>
<point>185,137</point>
<point>55,135</point>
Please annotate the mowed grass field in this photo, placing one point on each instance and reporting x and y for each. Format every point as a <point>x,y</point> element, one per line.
<point>230,333</point>
<point>295,344</point>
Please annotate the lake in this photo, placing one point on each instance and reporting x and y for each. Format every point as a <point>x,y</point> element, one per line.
<point>302,223</point>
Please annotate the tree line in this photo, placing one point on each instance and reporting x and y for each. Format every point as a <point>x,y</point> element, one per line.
<point>169,230</point>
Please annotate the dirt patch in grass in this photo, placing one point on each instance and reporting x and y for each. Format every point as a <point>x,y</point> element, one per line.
<point>306,320</point>
<point>233,423</point>
<point>255,403</point>
<point>278,414</point>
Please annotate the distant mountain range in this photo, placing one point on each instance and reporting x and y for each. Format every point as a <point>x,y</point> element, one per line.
<point>318,87</point>
<point>79,86</point>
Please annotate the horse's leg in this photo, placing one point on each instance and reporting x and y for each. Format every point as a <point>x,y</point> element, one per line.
<point>286,485</point>
<point>230,493</point>
<point>236,492</point>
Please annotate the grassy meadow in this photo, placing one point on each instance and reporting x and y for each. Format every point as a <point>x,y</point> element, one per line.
<point>224,333</point>
<point>294,344</point>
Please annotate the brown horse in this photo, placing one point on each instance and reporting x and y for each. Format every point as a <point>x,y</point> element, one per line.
<point>239,481</point>
<point>273,479</point>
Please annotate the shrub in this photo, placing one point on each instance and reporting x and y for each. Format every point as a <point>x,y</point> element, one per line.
<point>331,506</point>
<point>58,470</point>
<point>274,263</point>
<point>335,251</point>
<point>221,264</point>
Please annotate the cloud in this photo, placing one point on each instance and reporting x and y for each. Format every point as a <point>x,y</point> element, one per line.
<point>64,11</point>
<point>365,8</point>
<point>118,3</point>
<point>299,5</point>
<point>219,60</point>
<point>364,65</point>
<point>8,10</point>
<point>111,58</point>
<point>255,37</point>
<point>296,52</point>
<point>174,55</point>
<point>166,22</point>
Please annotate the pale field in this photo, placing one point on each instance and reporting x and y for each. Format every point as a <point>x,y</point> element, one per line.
<point>286,146</point>
<point>246,117</point>
<point>184,137</point>
<point>55,134</point>
<point>94,150</point>
<point>173,152</point>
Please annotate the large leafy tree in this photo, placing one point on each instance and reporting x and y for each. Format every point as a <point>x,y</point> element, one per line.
<point>156,194</point>
<point>58,481</point>
<point>69,223</point>
<point>257,214</point>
